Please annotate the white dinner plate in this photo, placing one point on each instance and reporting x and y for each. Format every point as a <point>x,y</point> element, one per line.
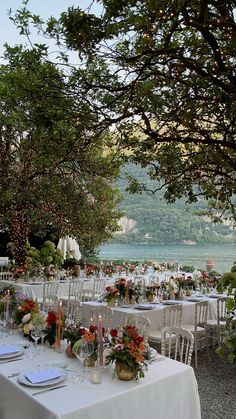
<point>171,302</point>
<point>195,299</point>
<point>23,380</point>
<point>18,351</point>
<point>143,307</point>
<point>152,353</point>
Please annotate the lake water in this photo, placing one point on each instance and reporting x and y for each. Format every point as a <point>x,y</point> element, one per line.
<point>223,255</point>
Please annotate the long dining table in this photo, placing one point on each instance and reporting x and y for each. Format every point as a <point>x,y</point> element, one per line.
<point>168,390</point>
<point>153,311</point>
<point>34,289</point>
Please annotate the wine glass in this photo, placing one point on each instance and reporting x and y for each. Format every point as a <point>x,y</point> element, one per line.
<point>36,335</point>
<point>83,351</point>
<point>43,333</point>
<point>11,320</point>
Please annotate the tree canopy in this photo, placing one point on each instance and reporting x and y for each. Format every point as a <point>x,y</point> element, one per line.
<point>164,72</point>
<point>56,170</point>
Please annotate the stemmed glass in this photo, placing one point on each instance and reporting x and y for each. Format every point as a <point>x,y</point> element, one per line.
<point>43,333</point>
<point>36,335</point>
<point>11,319</point>
<point>83,351</point>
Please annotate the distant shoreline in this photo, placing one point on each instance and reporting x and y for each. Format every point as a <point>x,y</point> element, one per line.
<point>223,255</point>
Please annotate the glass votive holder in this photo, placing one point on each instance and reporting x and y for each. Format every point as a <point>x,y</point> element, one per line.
<point>96,375</point>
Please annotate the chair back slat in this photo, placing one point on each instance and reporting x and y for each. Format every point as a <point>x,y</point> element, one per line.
<point>74,310</point>
<point>172,315</point>
<point>222,313</point>
<point>74,286</point>
<point>201,312</point>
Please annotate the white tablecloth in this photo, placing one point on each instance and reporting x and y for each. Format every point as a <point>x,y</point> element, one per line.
<point>35,290</point>
<point>155,315</point>
<point>169,390</point>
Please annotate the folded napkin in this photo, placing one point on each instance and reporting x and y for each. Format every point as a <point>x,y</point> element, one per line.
<point>41,376</point>
<point>8,349</point>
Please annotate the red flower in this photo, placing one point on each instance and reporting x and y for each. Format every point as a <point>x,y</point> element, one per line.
<point>51,319</point>
<point>82,331</point>
<point>114,333</point>
<point>92,328</point>
<point>138,340</point>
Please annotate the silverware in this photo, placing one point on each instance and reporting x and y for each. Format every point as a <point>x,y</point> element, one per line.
<point>11,360</point>
<point>49,389</point>
<point>14,374</point>
<point>158,359</point>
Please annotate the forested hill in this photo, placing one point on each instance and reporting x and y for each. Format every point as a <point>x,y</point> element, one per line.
<point>149,219</point>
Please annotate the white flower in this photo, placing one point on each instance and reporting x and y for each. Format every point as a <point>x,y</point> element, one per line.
<point>26,318</point>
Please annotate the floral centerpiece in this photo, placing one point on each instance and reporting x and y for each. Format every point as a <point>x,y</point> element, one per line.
<point>51,327</point>
<point>127,349</point>
<point>120,284</point>
<point>72,331</point>
<point>91,269</point>
<point>8,295</point>
<point>110,295</point>
<point>28,317</point>
<point>88,336</point>
<point>108,269</point>
<point>135,291</point>
<point>169,289</point>
<point>33,320</point>
<point>42,321</point>
<point>25,306</point>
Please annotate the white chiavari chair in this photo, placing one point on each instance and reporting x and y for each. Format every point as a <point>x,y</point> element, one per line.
<point>74,310</point>
<point>177,343</point>
<point>85,294</point>
<point>172,316</point>
<point>216,327</point>
<point>98,287</point>
<point>106,314</point>
<point>198,328</point>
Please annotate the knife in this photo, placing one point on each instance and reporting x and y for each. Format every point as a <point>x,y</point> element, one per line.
<point>49,389</point>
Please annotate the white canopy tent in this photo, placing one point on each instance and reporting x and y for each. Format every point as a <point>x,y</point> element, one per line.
<point>69,247</point>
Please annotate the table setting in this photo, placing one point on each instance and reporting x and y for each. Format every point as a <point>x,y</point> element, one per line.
<point>45,386</point>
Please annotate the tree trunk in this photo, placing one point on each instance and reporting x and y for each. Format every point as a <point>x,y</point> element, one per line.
<point>19,230</point>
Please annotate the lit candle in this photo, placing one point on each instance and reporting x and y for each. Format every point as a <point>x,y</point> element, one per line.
<point>100,340</point>
<point>96,376</point>
<point>59,325</point>
<point>91,321</point>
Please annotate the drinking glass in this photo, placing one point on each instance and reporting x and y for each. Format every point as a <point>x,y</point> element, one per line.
<point>83,351</point>
<point>43,334</point>
<point>11,320</point>
<point>35,333</point>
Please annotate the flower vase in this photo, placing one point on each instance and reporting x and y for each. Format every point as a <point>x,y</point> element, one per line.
<point>123,371</point>
<point>69,351</point>
<point>111,302</point>
<point>90,361</point>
